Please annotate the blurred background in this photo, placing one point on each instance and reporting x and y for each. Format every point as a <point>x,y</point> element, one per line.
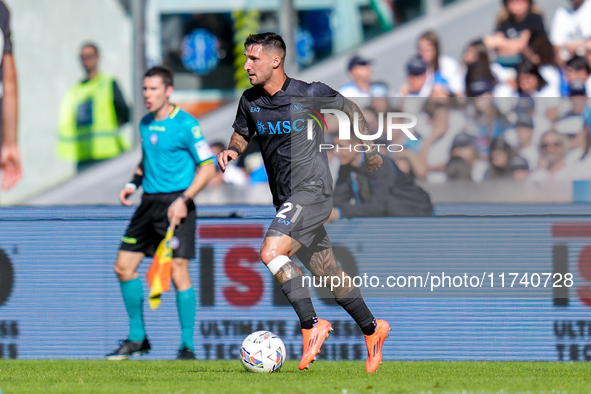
<point>483,49</point>
<point>501,159</point>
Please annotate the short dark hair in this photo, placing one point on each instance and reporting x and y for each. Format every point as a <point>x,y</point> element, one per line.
<point>578,63</point>
<point>161,71</point>
<point>267,40</point>
<point>90,45</point>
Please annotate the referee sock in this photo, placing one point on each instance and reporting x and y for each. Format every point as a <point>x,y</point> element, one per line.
<point>186,304</point>
<point>355,306</point>
<point>299,298</point>
<point>133,297</point>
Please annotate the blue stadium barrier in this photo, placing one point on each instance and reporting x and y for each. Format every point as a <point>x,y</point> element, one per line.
<point>59,297</point>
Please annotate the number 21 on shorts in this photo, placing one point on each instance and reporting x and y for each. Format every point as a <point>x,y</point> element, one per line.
<point>287,209</point>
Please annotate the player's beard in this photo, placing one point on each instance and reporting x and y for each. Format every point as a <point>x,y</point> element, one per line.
<point>262,79</point>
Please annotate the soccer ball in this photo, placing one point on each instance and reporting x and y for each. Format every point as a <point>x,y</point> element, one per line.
<point>262,351</point>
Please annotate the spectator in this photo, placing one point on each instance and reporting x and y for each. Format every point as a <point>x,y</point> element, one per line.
<point>360,72</point>
<point>10,161</point>
<point>576,103</point>
<point>385,192</point>
<point>577,69</point>
<point>519,168</point>
<point>436,145</point>
<point>233,175</point>
<point>526,149</point>
<point>570,32</point>
<point>517,22</point>
<point>417,82</point>
<point>90,115</point>
<point>217,147</point>
<point>409,163</point>
<point>552,166</point>
<point>499,159</point>
<point>445,70</point>
<point>379,92</point>
<point>573,127</point>
<point>458,170</point>
<point>480,68</point>
<point>541,52</point>
<point>531,82</point>
<point>485,121</point>
<point>463,146</point>
<point>251,162</point>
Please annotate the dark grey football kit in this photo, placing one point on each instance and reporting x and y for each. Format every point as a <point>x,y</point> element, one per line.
<point>299,176</point>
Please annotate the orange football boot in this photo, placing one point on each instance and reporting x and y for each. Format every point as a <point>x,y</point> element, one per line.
<point>374,343</point>
<point>313,340</point>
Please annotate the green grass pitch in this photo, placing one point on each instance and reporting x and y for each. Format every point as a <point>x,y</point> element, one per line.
<point>347,377</point>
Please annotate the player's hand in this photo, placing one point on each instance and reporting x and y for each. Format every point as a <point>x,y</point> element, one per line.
<point>373,163</point>
<point>10,162</point>
<point>124,195</point>
<point>225,157</point>
<point>176,212</point>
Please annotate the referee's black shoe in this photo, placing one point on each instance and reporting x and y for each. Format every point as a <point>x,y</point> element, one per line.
<point>129,348</point>
<point>185,354</point>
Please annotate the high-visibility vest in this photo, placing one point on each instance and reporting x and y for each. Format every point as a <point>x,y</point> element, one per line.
<point>88,128</point>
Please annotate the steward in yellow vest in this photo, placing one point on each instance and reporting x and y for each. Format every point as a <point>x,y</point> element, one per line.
<point>90,115</point>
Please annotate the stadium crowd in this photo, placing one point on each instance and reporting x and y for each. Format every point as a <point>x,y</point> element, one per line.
<point>516,106</point>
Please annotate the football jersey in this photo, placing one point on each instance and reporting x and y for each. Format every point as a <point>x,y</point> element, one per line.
<point>293,162</point>
<point>172,149</point>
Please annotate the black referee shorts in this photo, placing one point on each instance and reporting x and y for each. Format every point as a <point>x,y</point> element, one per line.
<point>302,217</point>
<point>149,224</point>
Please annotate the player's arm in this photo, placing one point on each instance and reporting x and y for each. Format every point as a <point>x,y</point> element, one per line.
<point>178,209</point>
<point>237,146</point>
<point>373,161</point>
<point>132,185</point>
<point>10,160</point>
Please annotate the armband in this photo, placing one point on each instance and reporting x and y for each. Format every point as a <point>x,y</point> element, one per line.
<point>136,180</point>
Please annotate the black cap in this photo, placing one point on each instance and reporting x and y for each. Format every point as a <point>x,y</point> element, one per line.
<point>416,66</point>
<point>518,163</point>
<point>480,87</point>
<point>577,88</point>
<point>524,120</point>
<point>462,140</point>
<point>357,61</point>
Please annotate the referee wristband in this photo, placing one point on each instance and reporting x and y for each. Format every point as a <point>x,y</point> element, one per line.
<point>136,180</point>
<point>234,149</point>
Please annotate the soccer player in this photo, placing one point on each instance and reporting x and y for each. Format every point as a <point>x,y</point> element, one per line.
<point>10,161</point>
<point>301,185</point>
<point>177,163</point>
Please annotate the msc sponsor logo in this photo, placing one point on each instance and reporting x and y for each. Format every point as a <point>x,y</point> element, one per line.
<point>280,127</point>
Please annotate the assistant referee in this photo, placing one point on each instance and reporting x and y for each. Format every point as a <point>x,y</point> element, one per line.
<point>177,163</point>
